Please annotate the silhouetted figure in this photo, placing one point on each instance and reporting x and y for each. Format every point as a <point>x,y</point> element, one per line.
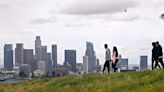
<point>114,58</point>
<point>107,58</point>
<point>154,56</point>
<point>159,54</point>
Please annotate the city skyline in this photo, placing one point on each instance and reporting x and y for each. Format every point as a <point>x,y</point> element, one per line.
<point>61,23</point>
<point>53,50</point>
<point>61,62</point>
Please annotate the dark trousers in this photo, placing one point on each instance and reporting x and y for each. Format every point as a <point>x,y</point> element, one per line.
<point>107,64</point>
<point>156,64</point>
<point>114,65</point>
<point>152,64</point>
<point>161,61</point>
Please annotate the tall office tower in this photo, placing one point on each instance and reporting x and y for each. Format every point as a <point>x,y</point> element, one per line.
<point>54,55</point>
<point>91,56</point>
<point>85,64</point>
<point>38,44</point>
<point>70,56</point>
<point>8,57</point>
<point>42,67</point>
<point>19,54</point>
<point>43,53</point>
<point>49,65</point>
<point>28,58</point>
<point>143,63</point>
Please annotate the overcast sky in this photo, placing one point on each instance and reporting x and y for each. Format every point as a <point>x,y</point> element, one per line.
<point>70,23</point>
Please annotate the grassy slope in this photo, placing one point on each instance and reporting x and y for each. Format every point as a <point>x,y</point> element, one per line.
<point>148,81</point>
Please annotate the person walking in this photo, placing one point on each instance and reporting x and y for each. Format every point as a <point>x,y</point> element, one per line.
<point>159,54</point>
<point>154,56</point>
<point>114,58</point>
<point>107,58</point>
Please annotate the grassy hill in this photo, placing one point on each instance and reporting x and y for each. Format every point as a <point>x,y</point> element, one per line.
<point>148,81</point>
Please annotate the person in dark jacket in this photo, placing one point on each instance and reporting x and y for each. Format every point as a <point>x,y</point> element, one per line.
<point>154,56</point>
<point>159,54</point>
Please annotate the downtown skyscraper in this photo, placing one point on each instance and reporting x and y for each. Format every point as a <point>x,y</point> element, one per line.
<point>41,55</point>
<point>91,56</point>
<point>70,56</point>
<point>19,54</point>
<point>8,57</point>
<point>49,64</point>
<point>28,58</point>
<point>85,64</point>
<point>38,44</point>
<point>54,55</point>
<point>143,62</point>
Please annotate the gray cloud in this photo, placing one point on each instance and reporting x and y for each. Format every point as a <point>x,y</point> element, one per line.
<point>44,20</point>
<point>89,7</point>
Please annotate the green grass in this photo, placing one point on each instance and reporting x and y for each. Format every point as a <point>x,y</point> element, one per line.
<point>147,81</point>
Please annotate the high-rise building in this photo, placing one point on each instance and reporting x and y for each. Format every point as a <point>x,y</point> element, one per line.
<point>143,63</point>
<point>19,54</point>
<point>43,53</point>
<point>49,65</point>
<point>38,44</point>
<point>8,57</point>
<point>42,56</point>
<point>85,64</point>
<point>70,56</point>
<point>28,58</point>
<point>91,56</point>
<point>42,67</point>
<point>54,55</point>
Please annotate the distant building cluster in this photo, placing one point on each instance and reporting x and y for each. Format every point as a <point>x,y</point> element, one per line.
<point>42,63</point>
<point>30,60</point>
<point>39,62</point>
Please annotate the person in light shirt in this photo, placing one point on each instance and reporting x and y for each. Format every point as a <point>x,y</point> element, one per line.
<point>107,58</point>
<point>114,58</point>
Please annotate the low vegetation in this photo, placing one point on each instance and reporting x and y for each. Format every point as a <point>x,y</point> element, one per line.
<point>147,81</point>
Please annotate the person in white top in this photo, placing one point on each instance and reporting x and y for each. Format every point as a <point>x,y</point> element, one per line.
<point>107,58</point>
<point>114,58</point>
